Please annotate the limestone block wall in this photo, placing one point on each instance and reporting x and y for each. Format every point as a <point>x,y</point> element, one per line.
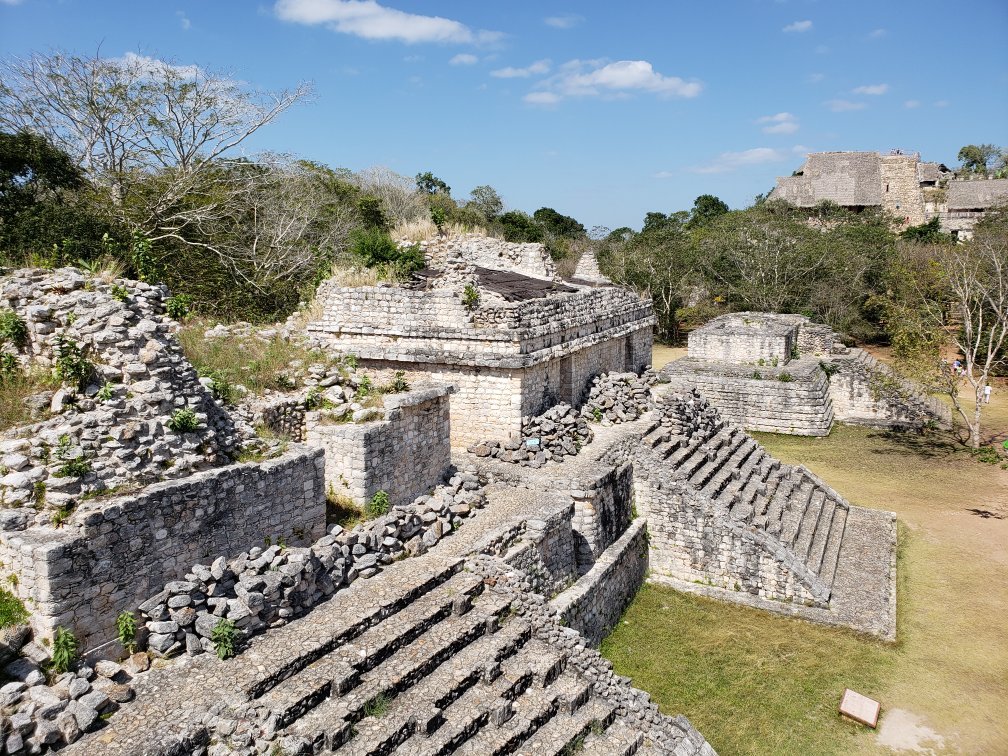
<point>799,406</point>
<point>901,194</point>
<point>110,556</point>
<point>406,454</point>
<point>691,540</point>
<point>602,510</point>
<point>744,337</point>
<point>530,259</point>
<point>595,603</point>
<point>285,417</point>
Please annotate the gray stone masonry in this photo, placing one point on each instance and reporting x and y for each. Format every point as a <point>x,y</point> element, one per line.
<point>784,374</point>
<point>405,451</point>
<point>113,554</point>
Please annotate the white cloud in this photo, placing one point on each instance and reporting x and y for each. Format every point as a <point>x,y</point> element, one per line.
<point>942,103</point>
<point>464,59</point>
<point>781,123</point>
<point>815,78</point>
<point>368,19</point>
<point>730,161</point>
<point>912,104</point>
<point>10,2</point>
<point>871,89</point>
<point>842,106</point>
<point>877,33</point>
<point>798,27</point>
<point>664,175</point>
<point>563,22</point>
<point>535,69</point>
<point>541,98</point>
<point>598,78</point>
<point>184,21</point>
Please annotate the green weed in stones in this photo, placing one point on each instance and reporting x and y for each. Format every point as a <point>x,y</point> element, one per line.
<point>221,387</point>
<point>224,637</point>
<point>120,292</point>
<point>126,628</point>
<point>399,383</point>
<point>470,297</point>
<point>795,352</point>
<point>64,651</point>
<point>72,366</point>
<point>105,393</point>
<point>829,368</point>
<point>183,421</point>
<point>12,609</point>
<point>12,329</point>
<point>378,505</point>
<point>39,494</point>
<point>350,361</point>
<point>377,707</point>
<point>61,515</point>
<point>364,388</point>
<point>178,306</point>
<point>785,378</point>
<point>597,414</point>
<point>757,375</point>
<point>9,367</point>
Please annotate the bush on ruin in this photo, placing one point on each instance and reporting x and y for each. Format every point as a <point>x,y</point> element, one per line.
<point>183,421</point>
<point>379,505</point>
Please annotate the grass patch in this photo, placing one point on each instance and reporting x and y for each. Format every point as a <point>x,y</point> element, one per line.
<point>749,681</point>
<point>15,390</point>
<point>12,610</point>
<point>254,363</point>
<point>342,510</point>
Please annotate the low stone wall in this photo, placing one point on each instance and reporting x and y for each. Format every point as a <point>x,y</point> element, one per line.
<point>745,337</point>
<point>112,555</point>
<point>406,454</point>
<point>595,603</point>
<point>602,511</point>
<point>530,259</point>
<point>799,405</point>
<point>285,417</point>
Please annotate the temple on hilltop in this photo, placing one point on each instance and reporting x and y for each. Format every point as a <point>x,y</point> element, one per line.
<point>909,189</point>
<point>494,319</point>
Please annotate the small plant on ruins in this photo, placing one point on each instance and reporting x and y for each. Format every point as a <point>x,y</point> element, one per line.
<point>785,378</point>
<point>183,421</point>
<point>829,368</point>
<point>120,292</point>
<point>64,651</point>
<point>12,329</point>
<point>39,494</point>
<point>364,388</point>
<point>795,352</point>
<point>773,362</point>
<point>126,628</point>
<point>439,217</point>
<point>72,467</point>
<point>178,306</point>
<point>316,399</point>
<point>72,367</point>
<point>761,362</point>
<point>61,515</point>
<point>105,393</point>
<point>470,297</point>
<point>9,367</point>
<point>377,707</point>
<point>378,505</point>
<point>221,387</point>
<point>224,637</point>
<point>986,454</point>
<point>398,385</point>
<point>597,414</point>
<point>757,375</point>
<point>12,609</point>
<point>349,360</point>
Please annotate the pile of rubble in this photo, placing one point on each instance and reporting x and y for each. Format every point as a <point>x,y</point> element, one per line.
<point>688,414</point>
<point>619,397</point>
<point>267,587</point>
<point>557,433</point>
<point>39,713</point>
<point>125,407</point>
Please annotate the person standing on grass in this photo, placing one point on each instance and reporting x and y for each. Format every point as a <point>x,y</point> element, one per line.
<point>987,393</point>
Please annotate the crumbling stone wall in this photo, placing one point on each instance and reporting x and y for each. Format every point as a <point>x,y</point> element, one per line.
<point>112,555</point>
<point>595,603</point>
<point>530,259</point>
<point>405,454</point>
<point>602,511</point>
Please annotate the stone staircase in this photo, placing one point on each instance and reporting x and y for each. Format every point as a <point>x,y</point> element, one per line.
<point>786,503</point>
<point>450,670</point>
<point>914,400</point>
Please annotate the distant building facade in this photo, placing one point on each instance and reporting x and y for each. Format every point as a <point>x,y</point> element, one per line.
<point>903,185</point>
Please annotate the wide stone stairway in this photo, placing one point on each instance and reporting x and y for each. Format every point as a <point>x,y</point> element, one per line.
<point>427,659</point>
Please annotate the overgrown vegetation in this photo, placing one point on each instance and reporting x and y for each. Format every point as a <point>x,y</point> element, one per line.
<point>64,651</point>
<point>183,421</point>
<point>224,637</point>
<point>126,631</point>
<point>12,610</point>
<point>378,505</point>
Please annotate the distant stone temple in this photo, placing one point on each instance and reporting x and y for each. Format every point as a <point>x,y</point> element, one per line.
<point>907,188</point>
<point>493,319</point>
<point>785,374</point>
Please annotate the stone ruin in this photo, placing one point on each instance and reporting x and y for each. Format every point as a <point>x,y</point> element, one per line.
<point>466,618</point>
<point>785,374</point>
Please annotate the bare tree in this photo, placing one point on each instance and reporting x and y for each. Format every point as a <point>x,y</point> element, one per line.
<point>960,295</point>
<point>398,194</point>
<point>146,131</point>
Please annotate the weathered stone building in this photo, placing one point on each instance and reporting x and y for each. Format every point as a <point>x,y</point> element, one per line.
<point>513,343</point>
<point>908,189</point>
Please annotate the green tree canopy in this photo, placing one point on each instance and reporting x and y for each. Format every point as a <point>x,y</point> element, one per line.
<point>428,183</point>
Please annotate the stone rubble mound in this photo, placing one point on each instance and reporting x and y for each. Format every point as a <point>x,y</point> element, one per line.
<point>42,714</point>
<point>557,433</point>
<point>619,397</point>
<point>112,430</point>
<point>268,586</point>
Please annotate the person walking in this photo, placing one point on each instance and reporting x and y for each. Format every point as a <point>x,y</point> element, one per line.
<point>987,393</point>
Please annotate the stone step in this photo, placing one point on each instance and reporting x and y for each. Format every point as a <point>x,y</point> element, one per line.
<point>285,651</point>
<point>831,556</point>
<point>718,460</point>
<point>809,523</point>
<point>566,732</point>
<point>531,710</point>
<point>699,457</point>
<point>817,549</point>
<point>619,739</point>
<point>656,436</point>
<point>684,452</point>
<point>717,485</point>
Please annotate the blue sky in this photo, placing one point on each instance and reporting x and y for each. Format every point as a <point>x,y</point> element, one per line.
<point>602,110</point>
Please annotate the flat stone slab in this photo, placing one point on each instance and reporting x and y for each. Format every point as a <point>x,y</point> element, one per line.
<point>860,708</point>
